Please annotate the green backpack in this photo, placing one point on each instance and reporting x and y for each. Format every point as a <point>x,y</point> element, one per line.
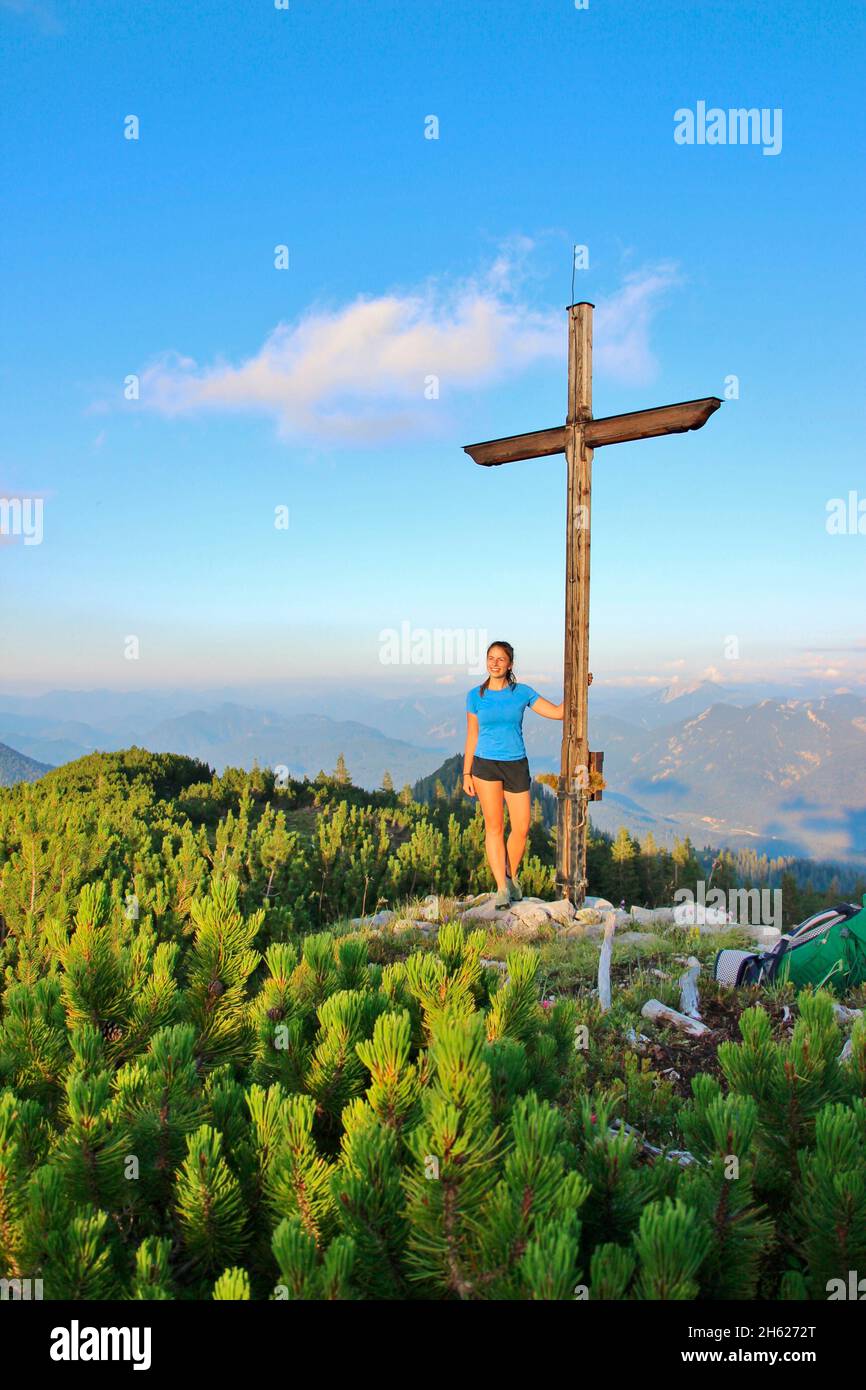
<point>827,951</point>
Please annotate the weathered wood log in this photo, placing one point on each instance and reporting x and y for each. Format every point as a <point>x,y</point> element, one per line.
<point>604,962</point>
<point>680,1156</point>
<point>689,999</point>
<point>658,1012</point>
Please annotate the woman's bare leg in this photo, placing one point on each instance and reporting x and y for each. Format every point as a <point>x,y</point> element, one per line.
<point>492,806</point>
<point>519,811</point>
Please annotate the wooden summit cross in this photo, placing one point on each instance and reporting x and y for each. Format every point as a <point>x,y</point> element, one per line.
<point>577,439</point>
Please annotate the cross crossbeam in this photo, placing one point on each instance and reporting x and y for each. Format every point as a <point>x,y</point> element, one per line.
<point>577,438</point>
<point>609,429</point>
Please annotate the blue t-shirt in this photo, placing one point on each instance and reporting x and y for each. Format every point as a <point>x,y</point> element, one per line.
<point>500,720</point>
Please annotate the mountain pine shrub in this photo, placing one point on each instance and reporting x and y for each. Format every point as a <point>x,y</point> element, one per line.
<point>207,1093</point>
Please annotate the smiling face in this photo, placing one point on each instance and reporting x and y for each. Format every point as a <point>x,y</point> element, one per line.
<point>498,663</point>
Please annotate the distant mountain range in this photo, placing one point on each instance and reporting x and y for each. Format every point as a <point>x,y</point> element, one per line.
<point>16,767</point>
<point>784,775</point>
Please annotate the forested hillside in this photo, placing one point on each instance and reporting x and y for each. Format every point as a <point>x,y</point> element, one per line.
<point>17,767</point>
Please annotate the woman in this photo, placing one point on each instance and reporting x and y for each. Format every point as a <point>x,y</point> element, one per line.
<point>495,766</point>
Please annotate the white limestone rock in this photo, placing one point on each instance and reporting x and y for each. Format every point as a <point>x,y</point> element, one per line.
<point>484,912</point>
<point>562,912</point>
<point>653,916</point>
<point>378,919</point>
<point>691,914</point>
<point>411,924</point>
<point>532,912</point>
<point>523,930</point>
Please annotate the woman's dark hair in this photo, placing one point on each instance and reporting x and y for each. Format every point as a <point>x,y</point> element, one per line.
<point>510,677</point>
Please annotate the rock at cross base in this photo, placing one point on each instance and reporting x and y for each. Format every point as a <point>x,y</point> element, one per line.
<point>561,911</point>
<point>531,912</point>
<point>524,919</point>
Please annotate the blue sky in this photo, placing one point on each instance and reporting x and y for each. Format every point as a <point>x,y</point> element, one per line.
<point>410,257</point>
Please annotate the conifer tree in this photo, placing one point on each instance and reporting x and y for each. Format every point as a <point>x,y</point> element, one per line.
<point>210,1212</point>
<point>454,1151</point>
<point>152,1277</point>
<point>369,1199</point>
<point>233,1284</point>
<point>620,1187</point>
<point>720,1129</point>
<point>671,1244</point>
<point>303,1274</point>
<point>158,1099</point>
<point>220,964</point>
<point>298,1179</point>
<point>610,1271</point>
<point>282,1020</point>
<point>831,1219</point>
<point>624,856</point>
<point>337,1075</point>
<point>790,1082</point>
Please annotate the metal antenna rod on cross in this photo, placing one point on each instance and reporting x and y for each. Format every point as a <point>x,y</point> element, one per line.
<point>577,439</point>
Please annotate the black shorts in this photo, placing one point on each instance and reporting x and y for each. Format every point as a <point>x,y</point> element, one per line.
<point>513,774</point>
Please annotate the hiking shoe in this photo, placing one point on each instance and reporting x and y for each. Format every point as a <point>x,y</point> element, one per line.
<point>514,890</point>
<point>502,899</point>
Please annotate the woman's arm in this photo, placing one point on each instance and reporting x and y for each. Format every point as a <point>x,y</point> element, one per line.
<point>547,708</point>
<point>469,752</point>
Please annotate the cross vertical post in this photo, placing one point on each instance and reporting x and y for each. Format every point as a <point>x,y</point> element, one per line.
<point>573,789</point>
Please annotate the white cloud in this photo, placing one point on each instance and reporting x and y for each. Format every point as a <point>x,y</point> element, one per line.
<point>365,372</point>
<point>621,327</point>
